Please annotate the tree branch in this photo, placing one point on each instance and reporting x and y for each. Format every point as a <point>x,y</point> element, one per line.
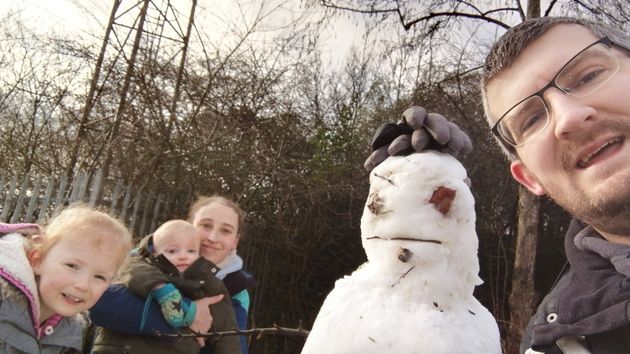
<point>370,11</point>
<point>300,332</point>
<point>550,7</point>
<point>448,14</point>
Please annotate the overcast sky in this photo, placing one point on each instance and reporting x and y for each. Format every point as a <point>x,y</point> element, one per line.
<point>88,18</point>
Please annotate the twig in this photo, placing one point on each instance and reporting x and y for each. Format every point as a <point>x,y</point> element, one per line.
<point>402,276</point>
<point>301,332</point>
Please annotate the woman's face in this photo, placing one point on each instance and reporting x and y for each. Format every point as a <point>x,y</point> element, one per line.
<point>218,228</point>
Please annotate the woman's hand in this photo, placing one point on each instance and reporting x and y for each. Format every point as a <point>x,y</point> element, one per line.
<point>203,317</point>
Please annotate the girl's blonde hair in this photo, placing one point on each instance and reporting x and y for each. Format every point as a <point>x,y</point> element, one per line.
<point>82,221</point>
<point>203,201</point>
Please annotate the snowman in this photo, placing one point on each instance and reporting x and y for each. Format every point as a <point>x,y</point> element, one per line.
<point>415,292</point>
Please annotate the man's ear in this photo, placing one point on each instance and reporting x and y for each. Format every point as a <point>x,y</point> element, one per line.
<point>526,178</point>
<point>35,259</point>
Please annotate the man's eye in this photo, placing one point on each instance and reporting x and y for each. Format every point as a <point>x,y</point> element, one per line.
<point>589,78</point>
<point>532,123</point>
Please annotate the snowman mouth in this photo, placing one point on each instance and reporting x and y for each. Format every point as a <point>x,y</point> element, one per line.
<point>404,239</point>
<point>72,298</point>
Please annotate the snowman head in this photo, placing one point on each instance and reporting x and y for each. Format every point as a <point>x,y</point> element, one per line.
<point>420,211</point>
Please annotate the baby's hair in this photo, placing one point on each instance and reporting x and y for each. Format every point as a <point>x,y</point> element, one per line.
<point>203,201</point>
<point>170,228</point>
<point>80,220</point>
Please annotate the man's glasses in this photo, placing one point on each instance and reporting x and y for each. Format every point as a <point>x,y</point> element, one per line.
<point>586,72</point>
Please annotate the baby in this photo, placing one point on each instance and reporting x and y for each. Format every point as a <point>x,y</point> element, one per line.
<point>49,277</point>
<point>168,268</point>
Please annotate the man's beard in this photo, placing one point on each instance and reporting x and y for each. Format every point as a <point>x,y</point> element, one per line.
<point>608,210</point>
<point>609,213</point>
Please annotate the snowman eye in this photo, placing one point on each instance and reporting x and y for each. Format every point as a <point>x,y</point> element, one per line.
<point>442,198</point>
<point>374,203</point>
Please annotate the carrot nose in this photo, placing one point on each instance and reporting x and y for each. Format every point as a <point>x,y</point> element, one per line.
<point>442,199</point>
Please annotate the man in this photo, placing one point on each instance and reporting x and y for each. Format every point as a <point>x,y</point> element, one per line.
<point>556,94</point>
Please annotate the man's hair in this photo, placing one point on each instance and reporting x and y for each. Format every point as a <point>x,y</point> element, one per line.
<point>505,51</point>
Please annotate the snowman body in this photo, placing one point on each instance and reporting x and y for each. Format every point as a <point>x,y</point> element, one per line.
<point>415,293</point>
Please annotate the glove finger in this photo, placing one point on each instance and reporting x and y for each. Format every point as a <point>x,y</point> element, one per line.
<point>379,155</point>
<point>386,133</point>
<point>414,116</point>
<point>420,139</point>
<point>467,148</point>
<point>460,143</point>
<point>400,146</point>
<point>438,126</point>
<point>457,138</point>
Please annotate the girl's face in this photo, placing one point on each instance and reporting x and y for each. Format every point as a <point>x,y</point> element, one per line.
<point>73,275</point>
<point>218,228</point>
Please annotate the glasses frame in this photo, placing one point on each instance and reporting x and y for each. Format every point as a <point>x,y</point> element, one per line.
<point>495,128</point>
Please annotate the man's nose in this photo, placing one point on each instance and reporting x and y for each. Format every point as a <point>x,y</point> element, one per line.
<point>568,113</point>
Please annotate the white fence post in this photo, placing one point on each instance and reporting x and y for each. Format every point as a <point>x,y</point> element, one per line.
<point>31,202</point>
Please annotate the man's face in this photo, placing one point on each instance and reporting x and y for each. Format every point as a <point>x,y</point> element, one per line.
<point>582,158</point>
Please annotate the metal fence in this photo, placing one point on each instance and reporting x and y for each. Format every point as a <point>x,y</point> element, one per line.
<point>34,198</point>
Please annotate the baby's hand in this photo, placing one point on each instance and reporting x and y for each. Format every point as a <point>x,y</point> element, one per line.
<point>159,285</point>
<point>175,310</point>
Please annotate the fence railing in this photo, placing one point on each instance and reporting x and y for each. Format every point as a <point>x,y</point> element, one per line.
<point>34,198</point>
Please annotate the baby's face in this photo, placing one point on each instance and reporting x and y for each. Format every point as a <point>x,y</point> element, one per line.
<point>181,249</point>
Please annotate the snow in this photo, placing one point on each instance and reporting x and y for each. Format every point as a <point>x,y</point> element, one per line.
<point>415,292</point>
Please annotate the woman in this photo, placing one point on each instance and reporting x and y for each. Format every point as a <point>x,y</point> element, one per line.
<point>219,222</point>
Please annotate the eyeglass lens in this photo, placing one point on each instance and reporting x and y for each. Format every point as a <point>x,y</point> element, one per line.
<point>580,77</point>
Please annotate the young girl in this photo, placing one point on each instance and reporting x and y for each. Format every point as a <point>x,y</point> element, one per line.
<point>48,279</point>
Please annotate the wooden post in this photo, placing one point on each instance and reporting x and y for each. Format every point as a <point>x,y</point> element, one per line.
<point>115,198</point>
<point>156,213</point>
<point>20,201</point>
<point>125,204</point>
<point>33,202</point>
<point>97,186</point>
<point>9,198</point>
<point>43,209</point>
<point>85,178</point>
<point>61,193</point>
<point>134,215</point>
